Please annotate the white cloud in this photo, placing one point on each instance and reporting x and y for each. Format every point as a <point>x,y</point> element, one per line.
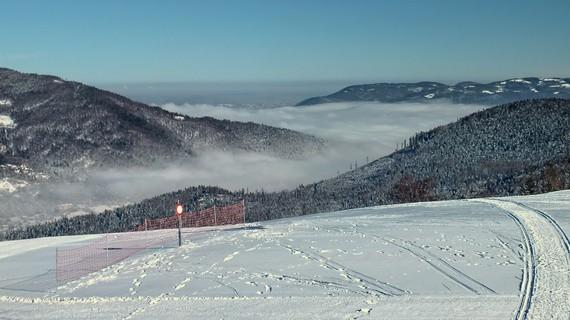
<point>354,131</point>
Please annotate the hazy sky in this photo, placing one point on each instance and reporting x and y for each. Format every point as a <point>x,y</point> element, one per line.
<point>270,40</point>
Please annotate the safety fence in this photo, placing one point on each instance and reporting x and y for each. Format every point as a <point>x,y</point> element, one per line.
<point>213,216</point>
<point>76,262</point>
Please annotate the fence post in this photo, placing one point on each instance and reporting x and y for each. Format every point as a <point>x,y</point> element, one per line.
<point>243,209</point>
<point>67,274</point>
<point>215,216</point>
<point>107,250</point>
<point>56,266</point>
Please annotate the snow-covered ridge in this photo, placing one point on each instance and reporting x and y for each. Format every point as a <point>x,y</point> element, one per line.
<point>520,81</point>
<point>504,91</point>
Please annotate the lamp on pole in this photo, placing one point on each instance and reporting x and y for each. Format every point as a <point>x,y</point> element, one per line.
<point>179,210</point>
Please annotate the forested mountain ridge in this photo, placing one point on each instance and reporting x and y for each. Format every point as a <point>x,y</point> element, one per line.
<point>493,93</point>
<point>512,149</point>
<point>49,123</point>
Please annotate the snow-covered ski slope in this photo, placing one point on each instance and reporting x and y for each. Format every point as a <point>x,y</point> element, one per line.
<point>501,258</point>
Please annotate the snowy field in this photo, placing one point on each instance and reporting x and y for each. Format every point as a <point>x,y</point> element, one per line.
<point>478,259</point>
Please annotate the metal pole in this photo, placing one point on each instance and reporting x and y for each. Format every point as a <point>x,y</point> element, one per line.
<point>179,232</point>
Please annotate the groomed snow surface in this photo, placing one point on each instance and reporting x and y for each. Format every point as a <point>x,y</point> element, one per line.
<point>481,259</point>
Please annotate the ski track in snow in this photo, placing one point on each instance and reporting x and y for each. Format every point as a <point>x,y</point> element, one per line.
<point>435,262</point>
<point>345,265</point>
<point>443,267</point>
<point>545,286</point>
<point>369,285</point>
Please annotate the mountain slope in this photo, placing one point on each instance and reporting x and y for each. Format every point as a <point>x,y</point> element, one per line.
<point>393,258</point>
<point>464,92</point>
<point>49,122</point>
<point>512,149</point>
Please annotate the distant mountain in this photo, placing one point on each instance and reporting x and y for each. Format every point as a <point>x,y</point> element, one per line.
<point>464,92</point>
<point>512,149</point>
<point>46,123</point>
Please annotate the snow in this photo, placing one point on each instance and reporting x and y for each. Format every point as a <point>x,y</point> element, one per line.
<point>6,121</point>
<point>534,90</point>
<point>555,203</point>
<point>433,260</point>
<point>551,80</point>
<point>11,248</point>
<point>180,118</point>
<point>57,81</point>
<point>546,277</point>
<point>565,85</point>
<point>409,307</point>
<point>38,104</point>
<point>557,92</point>
<point>5,102</point>
<point>487,92</point>
<point>11,185</point>
<point>429,96</point>
<point>520,81</point>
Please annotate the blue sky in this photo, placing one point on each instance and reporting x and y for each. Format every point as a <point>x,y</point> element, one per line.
<point>269,40</point>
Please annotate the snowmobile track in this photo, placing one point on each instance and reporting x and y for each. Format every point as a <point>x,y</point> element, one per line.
<point>553,222</point>
<point>545,285</point>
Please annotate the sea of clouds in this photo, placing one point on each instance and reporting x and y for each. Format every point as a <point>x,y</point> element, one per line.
<point>355,133</point>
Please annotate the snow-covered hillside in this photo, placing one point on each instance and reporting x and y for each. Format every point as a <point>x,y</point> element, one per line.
<point>487,259</point>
